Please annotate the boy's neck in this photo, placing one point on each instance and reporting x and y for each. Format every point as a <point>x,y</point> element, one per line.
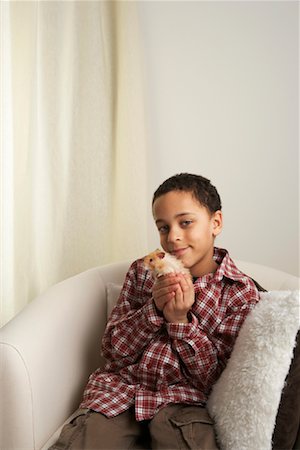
<point>210,268</point>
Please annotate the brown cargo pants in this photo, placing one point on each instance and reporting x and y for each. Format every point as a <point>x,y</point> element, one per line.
<point>173,427</point>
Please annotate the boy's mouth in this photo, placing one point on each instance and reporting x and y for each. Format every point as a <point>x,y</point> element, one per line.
<point>179,252</point>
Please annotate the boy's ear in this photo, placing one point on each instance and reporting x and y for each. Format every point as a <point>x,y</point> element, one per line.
<point>217,223</point>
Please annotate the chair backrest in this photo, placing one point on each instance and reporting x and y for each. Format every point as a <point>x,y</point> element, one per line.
<point>269,278</point>
<point>113,276</point>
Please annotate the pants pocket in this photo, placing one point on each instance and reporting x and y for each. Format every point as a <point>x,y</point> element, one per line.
<point>78,413</point>
<point>71,429</point>
<point>195,427</point>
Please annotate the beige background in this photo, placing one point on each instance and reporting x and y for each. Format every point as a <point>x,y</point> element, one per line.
<point>222,100</point>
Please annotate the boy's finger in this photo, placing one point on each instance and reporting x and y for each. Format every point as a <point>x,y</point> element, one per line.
<point>168,278</point>
<point>184,283</point>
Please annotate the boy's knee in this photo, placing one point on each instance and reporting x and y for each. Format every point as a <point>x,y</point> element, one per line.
<point>183,427</point>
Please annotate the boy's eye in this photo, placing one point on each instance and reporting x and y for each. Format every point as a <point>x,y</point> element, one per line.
<point>186,223</point>
<point>163,229</point>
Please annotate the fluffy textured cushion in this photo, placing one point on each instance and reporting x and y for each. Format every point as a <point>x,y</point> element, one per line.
<point>245,399</point>
<point>113,291</point>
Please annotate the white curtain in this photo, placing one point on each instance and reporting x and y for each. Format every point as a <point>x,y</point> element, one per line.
<point>73,175</point>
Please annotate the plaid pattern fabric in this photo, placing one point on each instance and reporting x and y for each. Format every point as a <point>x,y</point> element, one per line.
<point>151,363</point>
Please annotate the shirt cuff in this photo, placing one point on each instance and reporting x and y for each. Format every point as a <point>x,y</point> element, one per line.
<point>183,330</point>
<point>151,315</point>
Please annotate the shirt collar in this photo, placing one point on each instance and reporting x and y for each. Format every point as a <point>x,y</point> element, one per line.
<point>227,268</point>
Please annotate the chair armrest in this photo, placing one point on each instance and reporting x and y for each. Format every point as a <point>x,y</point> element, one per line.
<point>47,353</point>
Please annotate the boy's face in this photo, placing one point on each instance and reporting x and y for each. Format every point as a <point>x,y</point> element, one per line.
<point>187,230</point>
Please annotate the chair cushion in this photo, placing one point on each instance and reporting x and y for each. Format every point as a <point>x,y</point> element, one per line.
<point>113,291</point>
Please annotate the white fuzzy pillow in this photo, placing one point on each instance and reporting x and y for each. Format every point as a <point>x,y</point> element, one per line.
<point>245,399</point>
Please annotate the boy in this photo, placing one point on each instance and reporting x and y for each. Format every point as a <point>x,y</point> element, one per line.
<point>167,340</point>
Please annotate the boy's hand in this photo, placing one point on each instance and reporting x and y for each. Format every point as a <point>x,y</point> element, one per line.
<point>164,290</point>
<point>177,308</point>
<point>174,295</point>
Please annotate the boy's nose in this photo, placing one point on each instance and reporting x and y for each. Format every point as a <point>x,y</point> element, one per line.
<point>174,235</point>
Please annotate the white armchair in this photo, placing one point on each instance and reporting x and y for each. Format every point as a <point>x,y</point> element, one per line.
<point>51,347</point>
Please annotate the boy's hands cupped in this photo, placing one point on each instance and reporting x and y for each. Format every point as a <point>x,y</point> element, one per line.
<point>174,295</point>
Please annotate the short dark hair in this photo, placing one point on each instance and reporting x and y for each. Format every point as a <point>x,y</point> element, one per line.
<point>201,188</point>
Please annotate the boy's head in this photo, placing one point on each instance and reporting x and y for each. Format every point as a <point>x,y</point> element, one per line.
<point>187,212</point>
<point>201,189</point>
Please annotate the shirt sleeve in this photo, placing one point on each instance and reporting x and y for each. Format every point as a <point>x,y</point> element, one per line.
<point>134,321</point>
<point>204,350</point>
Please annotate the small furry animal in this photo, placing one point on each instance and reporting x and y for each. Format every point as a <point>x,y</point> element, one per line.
<point>160,263</point>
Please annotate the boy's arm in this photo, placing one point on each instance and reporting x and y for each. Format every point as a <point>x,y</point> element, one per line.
<point>134,320</point>
<point>204,352</point>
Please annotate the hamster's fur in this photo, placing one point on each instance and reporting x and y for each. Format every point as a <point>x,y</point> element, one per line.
<point>161,263</point>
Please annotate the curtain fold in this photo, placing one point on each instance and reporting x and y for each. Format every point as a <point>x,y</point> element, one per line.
<point>76,190</point>
<point>6,167</point>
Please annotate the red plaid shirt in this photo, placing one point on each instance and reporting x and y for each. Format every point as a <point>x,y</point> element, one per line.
<point>150,362</point>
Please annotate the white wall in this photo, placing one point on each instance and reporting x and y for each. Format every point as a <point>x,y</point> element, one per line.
<point>221,84</point>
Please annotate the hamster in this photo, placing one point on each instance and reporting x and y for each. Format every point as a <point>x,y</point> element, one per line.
<point>161,263</point>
